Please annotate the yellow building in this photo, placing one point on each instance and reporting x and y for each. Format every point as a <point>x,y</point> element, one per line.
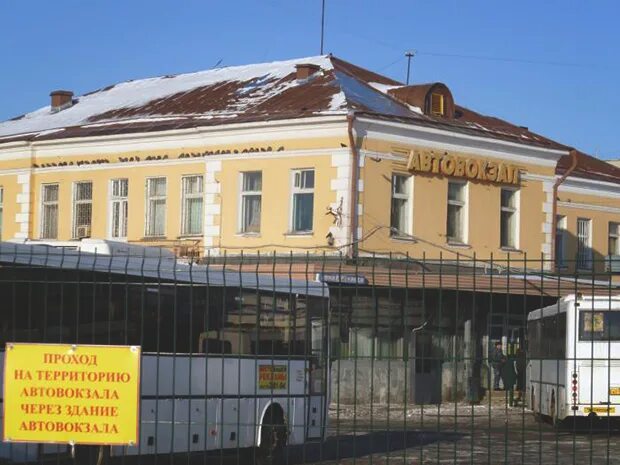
<point>311,155</point>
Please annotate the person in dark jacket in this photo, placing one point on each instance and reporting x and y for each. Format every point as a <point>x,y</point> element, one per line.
<point>521,363</point>
<point>509,377</point>
<point>497,355</point>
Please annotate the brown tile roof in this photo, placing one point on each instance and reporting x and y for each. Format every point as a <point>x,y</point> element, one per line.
<point>260,92</point>
<point>589,167</point>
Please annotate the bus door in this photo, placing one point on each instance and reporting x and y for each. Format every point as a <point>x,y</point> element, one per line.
<point>426,368</point>
<point>317,379</point>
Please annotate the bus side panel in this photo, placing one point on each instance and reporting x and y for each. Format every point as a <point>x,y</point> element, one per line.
<point>547,381</point>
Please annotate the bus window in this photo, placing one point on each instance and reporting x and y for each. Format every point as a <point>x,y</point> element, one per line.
<point>599,326</point>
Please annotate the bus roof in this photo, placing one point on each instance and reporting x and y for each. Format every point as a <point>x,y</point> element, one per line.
<point>147,262</point>
<point>563,303</point>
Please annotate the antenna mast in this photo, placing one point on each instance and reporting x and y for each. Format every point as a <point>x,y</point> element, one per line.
<point>322,24</point>
<point>409,56</point>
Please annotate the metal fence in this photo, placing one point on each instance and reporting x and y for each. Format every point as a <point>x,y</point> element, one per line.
<point>316,359</point>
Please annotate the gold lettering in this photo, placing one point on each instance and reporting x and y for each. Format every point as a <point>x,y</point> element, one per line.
<point>435,161</point>
<point>501,173</point>
<point>414,161</point>
<point>482,170</point>
<point>448,165</point>
<point>459,170</point>
<point>425,162</point>
<point>491,171</point>
<point>471,168</point>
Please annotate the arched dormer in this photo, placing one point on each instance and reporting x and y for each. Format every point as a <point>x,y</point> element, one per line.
<point>433,99</point>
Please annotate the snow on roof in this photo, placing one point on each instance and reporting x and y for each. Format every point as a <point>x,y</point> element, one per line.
<point>255,83</point>
<point>239,94</point>
<point>148,265</point>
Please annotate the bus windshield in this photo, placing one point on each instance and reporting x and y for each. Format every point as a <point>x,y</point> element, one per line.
<point>599,325</point>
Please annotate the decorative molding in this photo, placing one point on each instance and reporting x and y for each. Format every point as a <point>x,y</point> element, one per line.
<point>212,208</point>
<point>203,136</point>
<point>589,206</point>
<point>432,138</point>
<point>182,161</point>
<point>22,217</point>
<point>584,186</point>
<point>340,186</point>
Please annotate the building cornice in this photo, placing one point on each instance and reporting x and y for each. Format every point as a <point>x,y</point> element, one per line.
<point>227,134</point>
<point>411,134</point>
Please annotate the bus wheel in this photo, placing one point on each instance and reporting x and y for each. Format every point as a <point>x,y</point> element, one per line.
<point>91,455</point>
<point>273,437</point>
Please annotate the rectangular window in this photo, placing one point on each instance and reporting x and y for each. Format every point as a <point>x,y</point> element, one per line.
<point>599,326</point>
<point>303,200</point>
<point>509,218</point>
<point>155,207</point>
<point>119,208</point>
<point>49,211</point>
<point>400,220</point>
<point>437,104</point>
<point>251,198</point>
<point>457,205</point>
<point>584,243</point>
<point>614,239</point>
<point>560,240</point>
<point>192,205</point>
<point>82,209</point>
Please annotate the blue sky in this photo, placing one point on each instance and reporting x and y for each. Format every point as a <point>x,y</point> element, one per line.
<point>551,65</point>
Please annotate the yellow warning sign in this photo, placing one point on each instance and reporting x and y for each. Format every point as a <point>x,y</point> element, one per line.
<point>80,394</point>
<point>272,377</point>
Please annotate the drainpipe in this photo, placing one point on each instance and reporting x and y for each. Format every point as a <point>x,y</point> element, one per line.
<point>556,185</point>
<point>352,250</point>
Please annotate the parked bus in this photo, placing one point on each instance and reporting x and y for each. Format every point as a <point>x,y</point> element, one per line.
<point>574,358</point>
<point>230,360</point>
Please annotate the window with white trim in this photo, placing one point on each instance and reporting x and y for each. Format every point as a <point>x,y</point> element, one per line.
<point>614,238</point>
<point>49,211</point>
<point>560,240</point>
<point>251,200</point>
<point>82,209</point>
<point>509,218</point>
<point>400,215</point>
<point>155,207</point>
<point>119,208</point>
<point>457,212</point>
<point>584,243</point>
<point>303,201</point>
<point>192,190</point>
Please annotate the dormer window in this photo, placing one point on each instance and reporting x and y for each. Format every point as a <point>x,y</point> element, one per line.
<point>437,104</point>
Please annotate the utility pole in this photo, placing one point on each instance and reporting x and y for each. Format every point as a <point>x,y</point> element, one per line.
<point>409,56</point>
<point>322,24</point>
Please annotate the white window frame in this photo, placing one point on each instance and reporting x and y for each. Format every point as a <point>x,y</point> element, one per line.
<point>42,206</point>
<point>120,200</point>
<point>301,190</point>
<point>185,196</point>
<point>464,204</point>
<point>408,198</point>
<point>614,232</point>
<point>74,207</point>
<point>517,217</point>
<point>148,212</point>
<point>561,233</point>
<point>584,252</point>
<point>242,196</point>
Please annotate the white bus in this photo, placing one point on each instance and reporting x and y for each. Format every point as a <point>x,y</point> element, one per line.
<point>574,358</point>
<point>230,360</point>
